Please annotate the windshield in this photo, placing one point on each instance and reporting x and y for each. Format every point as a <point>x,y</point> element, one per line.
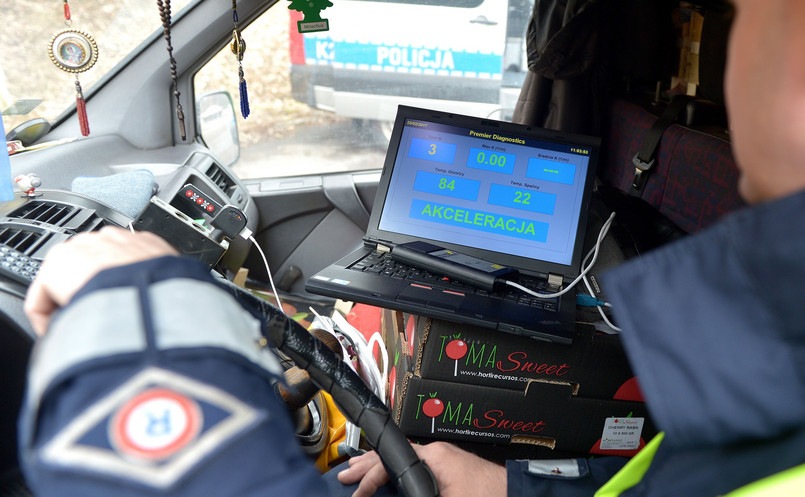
<point>322,100</point>
<point>31,86</point>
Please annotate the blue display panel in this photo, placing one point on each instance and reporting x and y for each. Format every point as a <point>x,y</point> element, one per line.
<point>550,170</point>
<point>477,188</point>
<point>472,219</point>
<point>432,150</point>
<point>448,186</point>
<point>497,162</point>
<point>519,198</point>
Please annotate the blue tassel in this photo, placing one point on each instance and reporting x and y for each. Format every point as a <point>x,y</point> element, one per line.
<point>244,99</point>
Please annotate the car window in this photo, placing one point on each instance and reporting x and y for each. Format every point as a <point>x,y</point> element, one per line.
<point>449,3</point>
<point>324,101</point>
<point>31,86</point>
<point>282,136</point>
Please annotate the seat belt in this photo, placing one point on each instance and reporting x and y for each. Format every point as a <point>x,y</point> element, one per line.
<point>645,159</point>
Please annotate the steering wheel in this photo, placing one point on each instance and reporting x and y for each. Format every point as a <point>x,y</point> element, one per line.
<point>356,401</point>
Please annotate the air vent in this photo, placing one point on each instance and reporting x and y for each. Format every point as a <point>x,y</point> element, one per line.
<point>220,178</point>
<point>24,241</point>
<point>44,212</point>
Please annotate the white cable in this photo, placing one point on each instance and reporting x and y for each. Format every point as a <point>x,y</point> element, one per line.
<point>592,292</point>
<point>325,323</point>
<point>594,252</point>
<point>268,272</point>
<point>369,368</point>
<point>377,339</point>
<point>583,276</point>
<point>352,432</point>
<point>600,310</point>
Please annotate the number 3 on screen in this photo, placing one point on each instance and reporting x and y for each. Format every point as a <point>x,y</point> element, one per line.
<point>432,149</point>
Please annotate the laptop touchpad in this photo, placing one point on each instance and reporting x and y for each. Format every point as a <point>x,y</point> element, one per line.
<point>445,299</point>
<point>416,294</point>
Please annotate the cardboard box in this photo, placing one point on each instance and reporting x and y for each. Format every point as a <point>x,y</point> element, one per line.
<point>401,364</point>
<point>504,396</point>
<point>543,418</point>
<point>594,364</point>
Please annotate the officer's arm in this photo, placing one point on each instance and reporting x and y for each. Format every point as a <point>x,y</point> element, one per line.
<point>151,379</point>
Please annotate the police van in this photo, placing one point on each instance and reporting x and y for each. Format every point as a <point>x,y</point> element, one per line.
<point>454,55</point>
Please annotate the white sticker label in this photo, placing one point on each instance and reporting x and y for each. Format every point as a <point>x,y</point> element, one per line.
<point>622,434</point>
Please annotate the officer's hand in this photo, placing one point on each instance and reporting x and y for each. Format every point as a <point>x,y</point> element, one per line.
<point>458,473</point>
<point>70,265</point>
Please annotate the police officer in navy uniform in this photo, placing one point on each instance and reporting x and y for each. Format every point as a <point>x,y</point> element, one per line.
<point>151,379</point>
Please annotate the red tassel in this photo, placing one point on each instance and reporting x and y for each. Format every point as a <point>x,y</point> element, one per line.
<point>66,10</point>
<point>81,107</point>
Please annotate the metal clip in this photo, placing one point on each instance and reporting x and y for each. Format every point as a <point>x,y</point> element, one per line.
<point>641,167</point>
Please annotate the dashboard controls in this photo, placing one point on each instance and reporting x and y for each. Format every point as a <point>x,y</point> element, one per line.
<point>227,220</point>
<point>200,201</point>
<point>17,266</point>
<point>185,234</point>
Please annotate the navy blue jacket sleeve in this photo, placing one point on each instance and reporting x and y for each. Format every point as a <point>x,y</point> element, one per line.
<point>155,381</point>
<point>562,477</point>
<point>712,326</point>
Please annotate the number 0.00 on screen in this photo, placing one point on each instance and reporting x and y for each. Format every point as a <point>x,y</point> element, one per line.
<point>498,162</point>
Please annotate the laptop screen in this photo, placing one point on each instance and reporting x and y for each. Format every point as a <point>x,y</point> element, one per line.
<point>487,185</point>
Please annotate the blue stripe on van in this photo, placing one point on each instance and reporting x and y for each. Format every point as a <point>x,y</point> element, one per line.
<point>401,58</point>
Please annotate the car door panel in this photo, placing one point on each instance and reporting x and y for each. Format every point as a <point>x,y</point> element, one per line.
<point>307,223</point>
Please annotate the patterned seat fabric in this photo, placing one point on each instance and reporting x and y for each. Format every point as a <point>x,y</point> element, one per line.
<point>694,181</point>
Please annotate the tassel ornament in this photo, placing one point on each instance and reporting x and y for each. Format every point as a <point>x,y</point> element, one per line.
<point>74,51</point>
<point>81,109</point>
<point>238,47</point>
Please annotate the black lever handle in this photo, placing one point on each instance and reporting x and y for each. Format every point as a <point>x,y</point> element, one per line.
<point>299,388</point>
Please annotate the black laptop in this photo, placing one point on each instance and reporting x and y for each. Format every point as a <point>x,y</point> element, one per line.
<point>512,195</point>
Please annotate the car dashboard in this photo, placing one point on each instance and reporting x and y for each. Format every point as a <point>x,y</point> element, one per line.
<point>32,224</point>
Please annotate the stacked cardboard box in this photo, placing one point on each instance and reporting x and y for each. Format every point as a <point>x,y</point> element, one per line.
<point>508,396</point>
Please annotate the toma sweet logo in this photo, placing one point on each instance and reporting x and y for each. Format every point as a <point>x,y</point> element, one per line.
<point>482,356</point>
<point>457,416</point>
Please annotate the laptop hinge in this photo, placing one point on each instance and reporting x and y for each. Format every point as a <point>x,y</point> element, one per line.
<point>382,248</point>
<point>555,280</point>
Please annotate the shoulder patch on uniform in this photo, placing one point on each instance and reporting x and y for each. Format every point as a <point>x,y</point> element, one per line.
<point>153,429</point>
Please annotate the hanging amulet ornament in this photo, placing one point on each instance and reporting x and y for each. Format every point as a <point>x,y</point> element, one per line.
<point>165,17</point>
<point>238,47</point>
<point>74,51</point>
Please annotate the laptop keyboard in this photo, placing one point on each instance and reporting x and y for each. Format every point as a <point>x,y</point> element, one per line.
<point>382,264</point>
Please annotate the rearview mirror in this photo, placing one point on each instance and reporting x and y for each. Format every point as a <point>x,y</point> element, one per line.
<point>215,115</point>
